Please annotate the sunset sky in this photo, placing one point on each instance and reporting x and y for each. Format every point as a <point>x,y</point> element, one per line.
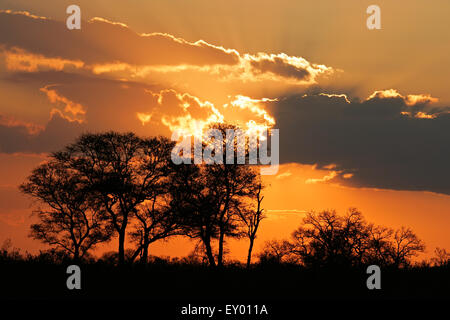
<point>364,115</point>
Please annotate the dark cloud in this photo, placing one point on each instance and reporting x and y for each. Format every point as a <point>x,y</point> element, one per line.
<point>372,139</point>
<point>58,132</point>
<point>280,67</point>
<point>109,104</point>
<point>106,105</point>
<point>103,42</point>
<point>41,44</point>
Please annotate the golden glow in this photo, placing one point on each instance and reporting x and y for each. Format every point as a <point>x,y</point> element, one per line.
<point>410,99</point>
<point>254,105</point>
<point>423,115</point>
<point>20,60</point>
<point>144,117</point>
<point>332,95</point>
<point>328,177</point>
<point>73,111</point>
<point>188,115</point>
<point>220,92</point>
<point>24,13</point>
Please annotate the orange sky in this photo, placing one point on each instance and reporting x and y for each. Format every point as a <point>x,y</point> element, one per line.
<point>380,98</point>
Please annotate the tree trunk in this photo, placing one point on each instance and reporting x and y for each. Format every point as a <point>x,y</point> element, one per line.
<point>209,253</point>
<point>122,233</point>
<point>144,257</point>
<point>249,256</point>
<point>76,254</point>
<point>122,247</point>
<point>220,254</point>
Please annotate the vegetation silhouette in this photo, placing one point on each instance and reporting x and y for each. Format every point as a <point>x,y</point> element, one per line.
<point>326,239</point>
<point>107,186</point>
<point>215,200</point>
<point>69,220</point>
<point>120,173</point>
<point>118,184</point>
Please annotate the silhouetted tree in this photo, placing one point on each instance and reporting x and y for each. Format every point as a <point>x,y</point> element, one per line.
<point>276,251</point>
<point>405,245</point>
<point>155,221</point>
<point>191,200</point>
<point>120,171</point>
<point>441,258</point>
<point>251,217</point>
<point>327,239</point>
<point>379,246</point>
<point>212,195</point>
<point>67,216</point>
<point>232,185</point>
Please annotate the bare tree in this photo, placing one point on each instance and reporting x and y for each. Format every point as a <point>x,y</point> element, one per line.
<point>405,245</point>
<point>441,258</point>
<point>251,219</point>
<point>67,217</point>
<point>325,238</point>
<point>277,251</point>
<point>379,245</point>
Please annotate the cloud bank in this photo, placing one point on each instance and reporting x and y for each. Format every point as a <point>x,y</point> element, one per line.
<point>387,141</point>
<point>102,46</point>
